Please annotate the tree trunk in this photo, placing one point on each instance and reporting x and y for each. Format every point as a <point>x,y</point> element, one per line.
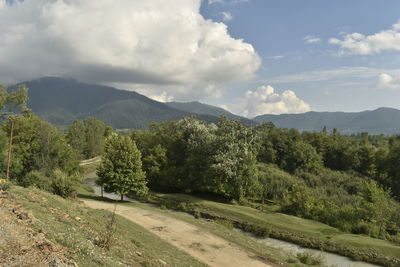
<point>122,197</point>
<point>10,149</point>
<point>102,196</point>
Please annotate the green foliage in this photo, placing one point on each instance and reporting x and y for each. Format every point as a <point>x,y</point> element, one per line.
<point>319,176</point>
<point>13,99</point>
<point>5,185</point>
<point>63,184</point>
<point>57,182</point>
<point>39,146</point>
<point>308,259</point>
<point>273,183</point>
<point>121,167</point>
<point>301,156</point>
<point>3,151</point>
<point>41,157</point>
<point>87,137</point>
<point>38,179</point>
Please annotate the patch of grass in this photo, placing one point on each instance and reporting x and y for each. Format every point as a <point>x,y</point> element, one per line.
<point>76,227</point>
<point>308,259</point>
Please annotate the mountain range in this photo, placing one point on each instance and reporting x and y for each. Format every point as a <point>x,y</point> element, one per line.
<point>61,101</point>
<point>379,121</point>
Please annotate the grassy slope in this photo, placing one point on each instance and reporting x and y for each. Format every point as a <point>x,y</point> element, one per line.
<point>305,232</point>
<point>69,223</point>
<point>221,229</point>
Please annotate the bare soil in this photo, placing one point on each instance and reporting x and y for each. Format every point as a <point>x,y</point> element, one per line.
<point>20,244</point>
<point>197,242</point>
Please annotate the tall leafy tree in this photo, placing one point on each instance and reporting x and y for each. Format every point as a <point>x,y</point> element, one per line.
<point>87,137</point>
<point>12,99</point>
<point>9,102</point>
<point>121,168</point>
<point>95,132</point>
<point>39,146</point>
<point>76,136</point>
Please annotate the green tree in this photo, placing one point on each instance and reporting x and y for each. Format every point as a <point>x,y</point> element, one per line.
<point>95,131</point>
<point>76,137</point>
<point>377,206</point>
<point>302,156</point>
<point>9,101</point>
<point>121,168</point>
<point>233,169</point>
<point>13,99</point>
<point>3,151</point>
<point>39,146</point>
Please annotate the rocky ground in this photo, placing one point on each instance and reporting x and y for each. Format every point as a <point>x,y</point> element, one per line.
<point>20,244</point>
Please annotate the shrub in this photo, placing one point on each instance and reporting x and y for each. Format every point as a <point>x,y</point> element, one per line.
<point>197,214</point>
<point>38,179</point>
<point>63,185</point>
<point>5,185</point>
<point>308,259</point>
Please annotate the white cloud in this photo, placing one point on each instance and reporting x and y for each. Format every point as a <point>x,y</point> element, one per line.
<point>163,97</point>
<point>226,16</point>
<point>333,74</point>
<point>309,39</point>
<point>223,107</point>
<point>264,100</point>
<point>163,44</point>
<point>360,44</point>
<point>210,2</point>
<point>386,81</point>
<point>276,57</point>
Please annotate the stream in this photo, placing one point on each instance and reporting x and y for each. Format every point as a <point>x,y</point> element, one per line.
<point>330,258</point>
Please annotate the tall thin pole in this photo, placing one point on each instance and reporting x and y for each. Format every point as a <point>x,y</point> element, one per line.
<point>10,149</point>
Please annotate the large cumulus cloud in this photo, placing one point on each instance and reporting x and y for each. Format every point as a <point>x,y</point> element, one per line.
<point>150,44</point>
<point>264,100</point>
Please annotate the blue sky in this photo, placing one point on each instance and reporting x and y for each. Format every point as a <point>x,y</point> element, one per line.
<point>251,57</point>
<point>277,28</point>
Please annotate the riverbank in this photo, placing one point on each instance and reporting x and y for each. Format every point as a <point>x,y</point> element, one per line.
<point>300,231</point>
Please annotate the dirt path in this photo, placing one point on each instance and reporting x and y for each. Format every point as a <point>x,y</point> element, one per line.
<point>199,243</point>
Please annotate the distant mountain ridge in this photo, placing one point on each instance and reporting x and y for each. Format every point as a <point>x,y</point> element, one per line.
<point>61,101</point>
<point>379,121</point>
<point>200,108</point>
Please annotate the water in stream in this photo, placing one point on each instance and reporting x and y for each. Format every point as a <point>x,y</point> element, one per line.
<point>330,258</point>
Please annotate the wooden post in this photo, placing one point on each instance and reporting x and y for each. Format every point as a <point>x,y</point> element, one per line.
<point>10,148</point>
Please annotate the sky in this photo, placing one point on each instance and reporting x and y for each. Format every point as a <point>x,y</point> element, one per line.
<point>251,57</point>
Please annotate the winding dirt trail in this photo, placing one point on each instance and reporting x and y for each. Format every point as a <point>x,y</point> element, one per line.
<point>197,242</point>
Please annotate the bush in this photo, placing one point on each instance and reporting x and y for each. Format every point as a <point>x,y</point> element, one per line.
<point>38,179</point>
<point>308,259</point>
<point>197,214</point>
<point>63,185</point>
<point>5,185</point>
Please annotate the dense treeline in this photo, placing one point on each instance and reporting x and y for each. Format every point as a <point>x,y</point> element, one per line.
<point>87,137</point>
<point>345,181</point>
<point>40,154</point>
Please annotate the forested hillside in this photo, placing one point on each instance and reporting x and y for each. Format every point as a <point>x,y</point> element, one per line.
<point>61,101</point>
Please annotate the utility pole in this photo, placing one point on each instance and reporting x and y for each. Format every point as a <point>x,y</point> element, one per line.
<point>11,118</point>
